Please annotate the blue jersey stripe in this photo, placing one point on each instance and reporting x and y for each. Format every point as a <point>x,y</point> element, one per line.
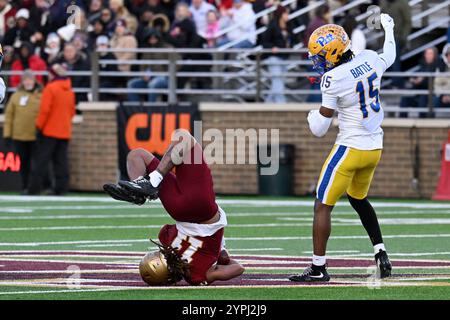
<point>330,168</point>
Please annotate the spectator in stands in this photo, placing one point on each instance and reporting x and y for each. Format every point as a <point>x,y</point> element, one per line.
<point>122,13</point>
<point>107,18</point>
<point>40,17</point>
<point>97,29</point>
<point>153,40</point>
<point>94,11</point>
<point>102,43</point>
<point>278,36</point>
<point>214,24</point>
<point>75,60</point>
<point>7,13</point>
<point>443,83</point>
<point>54,125</point>
<point>199,10</point>
<point>322,17</point>
<point>400,11</point>
<point>429,63</point>
<point>355,33</point>
<point>183,35</point>
<point>20,116</point>
<point>241,14</point>
<point>26,60</point>
<point>8,59</point>
<point>123,39</point>
<point>52,48</point>
<point>80,41</point>
<point>22,31</point>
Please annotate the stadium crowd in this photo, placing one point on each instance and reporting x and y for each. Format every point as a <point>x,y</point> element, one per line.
<point>40,36</point>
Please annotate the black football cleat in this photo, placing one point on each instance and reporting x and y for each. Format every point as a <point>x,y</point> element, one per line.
<point>312,274</point>
<point>140,187</point>
<point>384,266</point>
<point>118,193</point>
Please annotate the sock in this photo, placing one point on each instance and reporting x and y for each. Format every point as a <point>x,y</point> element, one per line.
<point>319,260</point>
<point>379,247</point>
<point>368,218</point>
<point>155,178</point>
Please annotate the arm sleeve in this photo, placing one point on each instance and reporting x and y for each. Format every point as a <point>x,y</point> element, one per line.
<point>389,50</point>
<point>329,92</point>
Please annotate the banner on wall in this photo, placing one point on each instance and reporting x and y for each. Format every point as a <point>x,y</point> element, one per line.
<point>150,127</point>
<point>9,168</point>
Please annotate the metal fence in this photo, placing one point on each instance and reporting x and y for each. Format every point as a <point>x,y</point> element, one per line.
<point>234,74</point>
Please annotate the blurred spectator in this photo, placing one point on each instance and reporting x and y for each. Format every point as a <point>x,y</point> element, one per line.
<point>241,14</point>
<point>52,48</point>
<point>8,59</point>
<point>277,36</point>
<point>7,13</point>
<point>322,17</point>
<point>95,10</point>
<point>123,39</point>
<point>213,26</point>
<point>20,116</point>
<point>153,40</point>
<point>75,60</point>
<point>102,43</point>
<point>40,17</point>
<point>22,31</point>
<point>122,13</point>
<point>80,41</point>
<point>355,33</point>
<point>199,9</point>
<point>400,11</point>
<point>54,125</point>
<point>26,60</point>
<point>97,29</point>
<point>429,63</point>
<point>183,35</point>
<point>107,18</point>
<point>443,83</point>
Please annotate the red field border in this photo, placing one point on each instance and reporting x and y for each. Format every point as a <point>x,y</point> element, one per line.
<point>118,270</point>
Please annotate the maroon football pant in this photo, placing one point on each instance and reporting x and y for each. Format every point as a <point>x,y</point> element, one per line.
<point>188,195</point>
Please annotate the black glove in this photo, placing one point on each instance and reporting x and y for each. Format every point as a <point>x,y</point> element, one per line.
<point>8,142</point>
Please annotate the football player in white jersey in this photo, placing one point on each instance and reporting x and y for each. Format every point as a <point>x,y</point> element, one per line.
<point>350,85</point>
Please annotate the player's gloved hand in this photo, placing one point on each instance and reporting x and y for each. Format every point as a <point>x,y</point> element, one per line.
<point>386,21</point>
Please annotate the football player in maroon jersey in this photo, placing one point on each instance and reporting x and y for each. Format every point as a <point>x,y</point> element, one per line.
<point>193,247</point>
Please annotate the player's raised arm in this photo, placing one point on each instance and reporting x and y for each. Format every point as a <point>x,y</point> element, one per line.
<point>389,51</point>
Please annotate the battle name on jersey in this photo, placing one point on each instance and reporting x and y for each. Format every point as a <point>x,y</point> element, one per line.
<point>361,70</point>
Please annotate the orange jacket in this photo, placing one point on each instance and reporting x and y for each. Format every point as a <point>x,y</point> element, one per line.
<point>57,109</point>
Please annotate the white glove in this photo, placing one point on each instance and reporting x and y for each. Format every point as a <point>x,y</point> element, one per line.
<point>2,89</point>
<point>386,21</point>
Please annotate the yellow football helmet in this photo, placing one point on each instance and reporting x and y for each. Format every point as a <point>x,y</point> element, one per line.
<point>326,46</point>
<point>153,269</point>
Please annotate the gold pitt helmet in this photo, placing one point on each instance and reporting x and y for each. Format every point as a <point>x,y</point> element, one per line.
<point>326,46</point>
<point>153,269</point>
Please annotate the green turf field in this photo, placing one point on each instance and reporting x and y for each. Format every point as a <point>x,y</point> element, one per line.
<point>88,247</point>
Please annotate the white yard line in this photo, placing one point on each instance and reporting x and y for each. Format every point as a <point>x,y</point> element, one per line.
<point>265,203</point>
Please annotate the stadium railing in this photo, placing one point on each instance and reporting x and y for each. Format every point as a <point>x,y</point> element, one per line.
<point>229,78</point>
